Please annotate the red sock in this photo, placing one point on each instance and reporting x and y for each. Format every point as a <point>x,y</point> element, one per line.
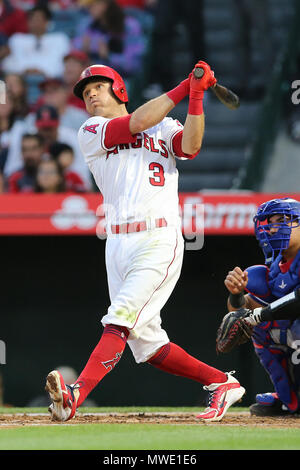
<point>173,359</point>
<point>103,359</point>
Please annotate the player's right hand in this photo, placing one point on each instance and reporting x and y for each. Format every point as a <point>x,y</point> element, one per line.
<point>236,280</point>
<point>205,82</point>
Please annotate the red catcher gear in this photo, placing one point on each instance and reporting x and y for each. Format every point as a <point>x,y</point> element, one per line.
<point>118,85</point>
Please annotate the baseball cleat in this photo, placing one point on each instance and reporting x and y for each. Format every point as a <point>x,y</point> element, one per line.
<point>277,409</point>
<point>220,397</point>
<point>63,406</point>
<point>267,399</point>
<point>269,404</point>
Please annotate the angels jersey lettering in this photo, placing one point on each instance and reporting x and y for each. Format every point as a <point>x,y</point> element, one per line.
<point>143,141</point>
<point>138,180</point>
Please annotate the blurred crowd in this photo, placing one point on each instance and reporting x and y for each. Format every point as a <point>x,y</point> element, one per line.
<point>44,46</point>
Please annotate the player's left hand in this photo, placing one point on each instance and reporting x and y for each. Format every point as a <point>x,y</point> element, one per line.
<point>208,79</point>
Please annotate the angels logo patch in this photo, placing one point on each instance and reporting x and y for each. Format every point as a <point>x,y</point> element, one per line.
<point>112,362</point>
<point>87,72</point>
<point>91,128</point>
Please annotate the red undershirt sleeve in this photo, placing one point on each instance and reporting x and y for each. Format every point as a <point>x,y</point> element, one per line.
<point>176,143</point>
<point>117,132</point>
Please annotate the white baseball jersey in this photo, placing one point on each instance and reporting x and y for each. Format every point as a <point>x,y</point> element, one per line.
<point>137,180</point>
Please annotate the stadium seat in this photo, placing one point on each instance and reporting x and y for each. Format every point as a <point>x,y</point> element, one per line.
<point>228,134</point>
<point>190,182</point>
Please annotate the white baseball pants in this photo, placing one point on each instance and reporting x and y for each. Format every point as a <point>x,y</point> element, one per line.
<point>142,270</point>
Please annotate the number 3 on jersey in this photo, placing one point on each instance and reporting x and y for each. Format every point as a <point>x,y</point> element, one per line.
<point>158,177</point>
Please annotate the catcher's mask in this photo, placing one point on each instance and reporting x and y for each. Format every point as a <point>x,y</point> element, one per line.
<point>271,243</point>
<point>118,85</point>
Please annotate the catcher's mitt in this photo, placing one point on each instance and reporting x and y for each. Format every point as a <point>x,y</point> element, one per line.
<point>233,330</point>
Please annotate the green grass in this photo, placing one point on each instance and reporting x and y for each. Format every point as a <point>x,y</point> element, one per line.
<point>143,436</point>
<point>147,437</point>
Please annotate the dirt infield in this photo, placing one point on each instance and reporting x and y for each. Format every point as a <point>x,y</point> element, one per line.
<point>176,418</point>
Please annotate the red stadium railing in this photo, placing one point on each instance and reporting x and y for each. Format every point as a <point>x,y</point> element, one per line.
<point>218,213</point>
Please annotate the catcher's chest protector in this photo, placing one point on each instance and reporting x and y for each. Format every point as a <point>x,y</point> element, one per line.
<point>273,283</point>
<point>286,278</point>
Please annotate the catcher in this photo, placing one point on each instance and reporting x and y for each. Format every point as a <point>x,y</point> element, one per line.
<point>269,312</point>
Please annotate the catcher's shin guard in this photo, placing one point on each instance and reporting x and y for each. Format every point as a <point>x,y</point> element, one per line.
<point>276,363</point>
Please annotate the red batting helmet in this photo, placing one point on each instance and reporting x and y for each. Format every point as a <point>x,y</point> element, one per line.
<point>118,85</point>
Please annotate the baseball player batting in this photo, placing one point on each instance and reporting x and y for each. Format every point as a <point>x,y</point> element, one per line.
<point>133,160</point>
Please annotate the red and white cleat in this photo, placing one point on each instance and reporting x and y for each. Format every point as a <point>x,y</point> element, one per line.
<point>63,406</point>
<point>220,397</point>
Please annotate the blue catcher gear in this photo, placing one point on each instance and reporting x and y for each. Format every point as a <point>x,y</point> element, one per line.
<point>272,243</point>
<point>281,280</point>
<point>258,284</point>
<point>271,342</point>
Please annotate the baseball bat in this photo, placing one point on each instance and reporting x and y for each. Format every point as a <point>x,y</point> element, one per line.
<point>226,96</point>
